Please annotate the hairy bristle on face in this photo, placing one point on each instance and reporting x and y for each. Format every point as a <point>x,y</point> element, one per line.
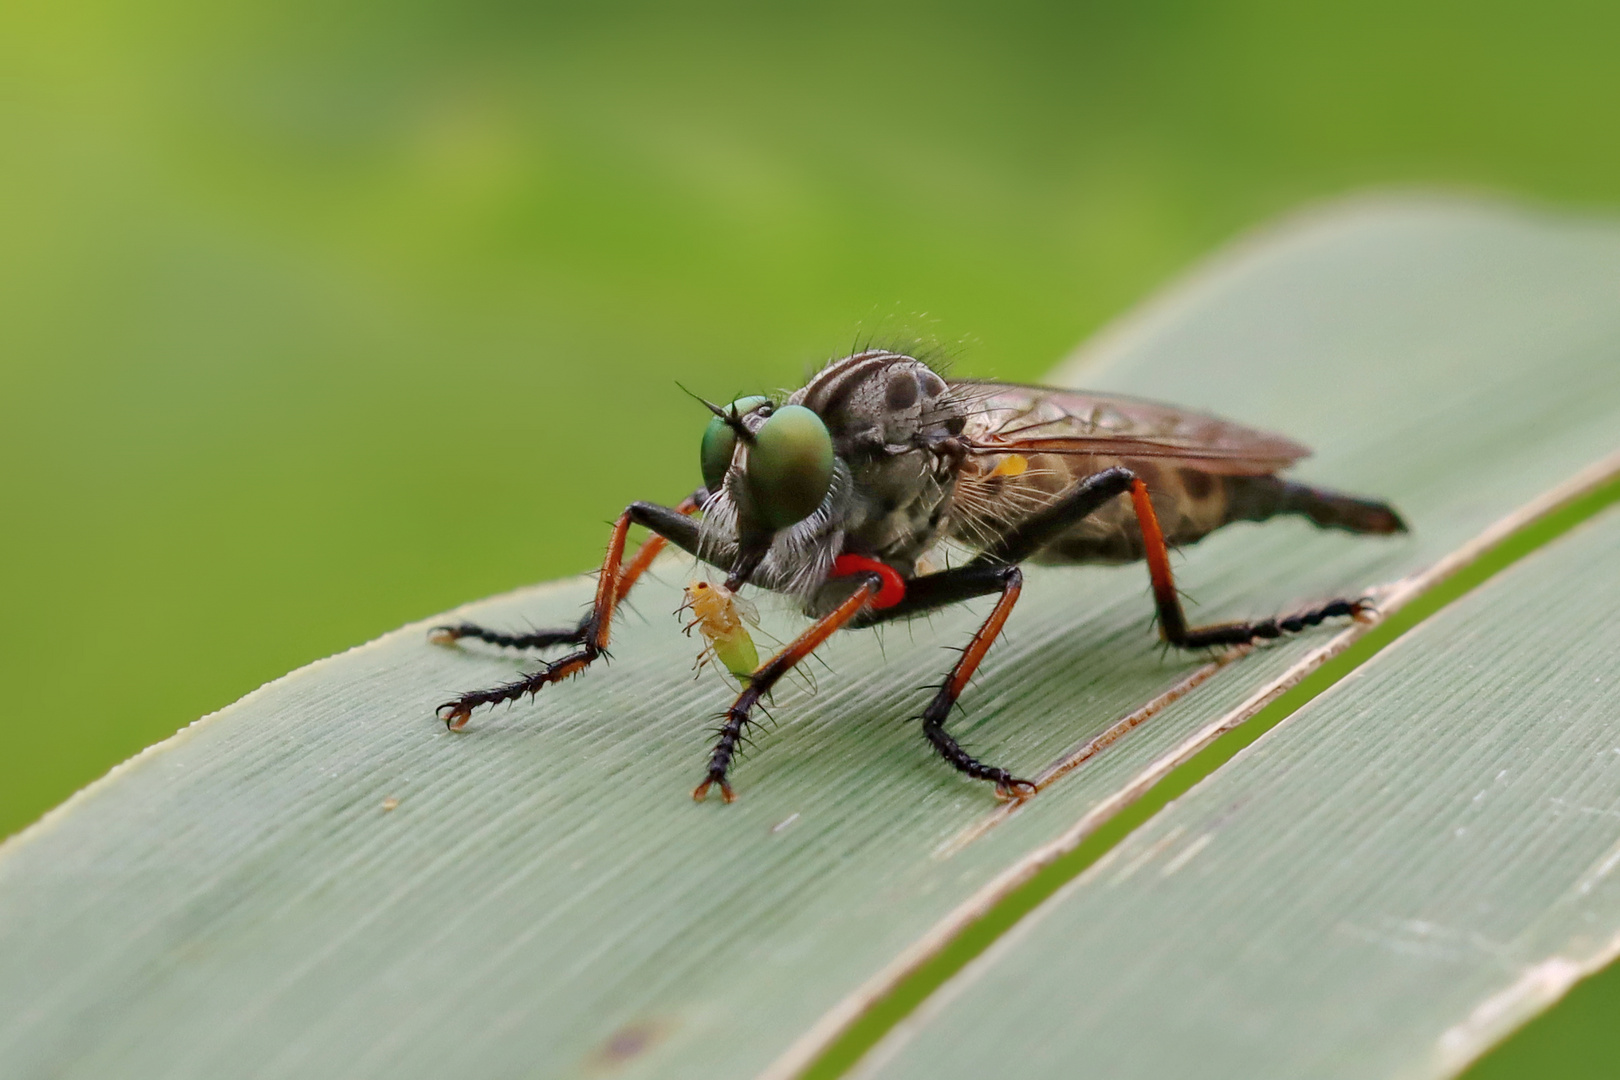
<point>800,556</point>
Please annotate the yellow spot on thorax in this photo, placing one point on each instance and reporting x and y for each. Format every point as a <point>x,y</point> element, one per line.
<point>1011,465</point>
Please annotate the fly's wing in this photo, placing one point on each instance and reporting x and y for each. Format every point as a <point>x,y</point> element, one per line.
<point>1008,418</point>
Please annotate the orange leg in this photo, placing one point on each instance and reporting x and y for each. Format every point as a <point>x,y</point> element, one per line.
<point>760,683</point>
<point>939,709</point>
<point>1173,621</point>
<point>592,638</point>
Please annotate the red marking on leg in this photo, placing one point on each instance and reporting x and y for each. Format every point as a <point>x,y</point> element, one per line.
<point>894,586</point>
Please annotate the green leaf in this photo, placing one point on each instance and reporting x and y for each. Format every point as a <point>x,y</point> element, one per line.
<point>544,898</point>
<point>1386,884</point>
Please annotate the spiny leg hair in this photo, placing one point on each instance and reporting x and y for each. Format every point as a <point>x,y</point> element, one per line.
<point>650,548</point>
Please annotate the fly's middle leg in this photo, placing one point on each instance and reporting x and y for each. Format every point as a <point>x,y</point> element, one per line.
<point>933,591</point>
<point>939,709</point>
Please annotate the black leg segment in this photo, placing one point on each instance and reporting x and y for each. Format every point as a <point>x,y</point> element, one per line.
<point>591,635</point>
<point>1087,497</point>
<point>539,639</point>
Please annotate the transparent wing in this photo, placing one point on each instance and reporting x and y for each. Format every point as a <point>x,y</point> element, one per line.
<point>1012,418</point>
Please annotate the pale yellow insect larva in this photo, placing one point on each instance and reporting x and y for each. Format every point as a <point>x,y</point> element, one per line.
<point>721,617</point>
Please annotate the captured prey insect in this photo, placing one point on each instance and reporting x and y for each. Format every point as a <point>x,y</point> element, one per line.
<point>835,495</point>
<point>722,618</point>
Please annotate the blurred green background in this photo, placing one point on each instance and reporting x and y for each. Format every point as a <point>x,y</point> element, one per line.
<point>320,317</point>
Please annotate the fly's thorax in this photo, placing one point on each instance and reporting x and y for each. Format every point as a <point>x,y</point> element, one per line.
<point>900,505</point>
<point>895,423</point>
<point>882,403</point>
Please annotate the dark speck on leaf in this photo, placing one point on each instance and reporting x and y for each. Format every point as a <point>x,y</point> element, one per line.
<point>626,1044</point>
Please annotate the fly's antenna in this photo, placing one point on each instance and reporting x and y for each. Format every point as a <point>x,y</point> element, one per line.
<point>729,416</point>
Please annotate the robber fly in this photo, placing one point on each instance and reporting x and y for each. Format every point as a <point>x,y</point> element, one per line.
<point>835,495</point>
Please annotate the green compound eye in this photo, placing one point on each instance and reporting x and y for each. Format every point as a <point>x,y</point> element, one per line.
<point>790,466</point>
<point>720,442</point>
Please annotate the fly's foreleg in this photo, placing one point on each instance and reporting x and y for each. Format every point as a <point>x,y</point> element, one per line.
<point>575,635</point>
<point>1173,620</point>
<point>654,545</point>
<point>616,580</point>
<point>734,725</point>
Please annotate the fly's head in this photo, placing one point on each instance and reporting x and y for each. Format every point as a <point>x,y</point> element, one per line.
<point>777,493</point>
<point>866,451</point>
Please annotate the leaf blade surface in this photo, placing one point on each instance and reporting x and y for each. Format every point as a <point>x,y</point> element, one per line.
<point>545,899</point>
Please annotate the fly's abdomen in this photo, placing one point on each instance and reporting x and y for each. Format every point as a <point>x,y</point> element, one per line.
<point>995,494</point>
<point>1190,504</point>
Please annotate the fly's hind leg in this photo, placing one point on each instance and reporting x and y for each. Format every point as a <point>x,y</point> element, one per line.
<point>591,635</point>
<point>1173,620</point>
<point>1096,490</point>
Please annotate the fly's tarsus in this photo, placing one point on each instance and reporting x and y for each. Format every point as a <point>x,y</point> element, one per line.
<point>538,639</point>
<point>1007,785</point>
<point>701,792</point>
<point>1245,633</point>
<point>732,733</point>
<point>455,714</point>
